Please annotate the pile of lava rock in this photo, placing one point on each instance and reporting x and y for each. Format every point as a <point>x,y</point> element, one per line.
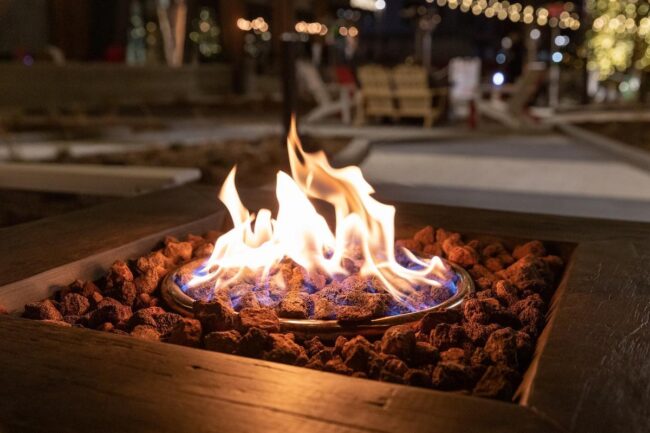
<point>483,348</point>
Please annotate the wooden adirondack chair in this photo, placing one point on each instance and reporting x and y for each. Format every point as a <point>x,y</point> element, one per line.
<point>414,96</point>
<point>508,104</point>
<point>322,94</point>
<point>376,96</point>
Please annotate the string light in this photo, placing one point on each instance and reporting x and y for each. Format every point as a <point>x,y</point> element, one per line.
<point>311,28</point>
<point>516,12</point>
<point>258,25</point>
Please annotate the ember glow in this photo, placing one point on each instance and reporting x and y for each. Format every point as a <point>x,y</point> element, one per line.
<point>363,240</point>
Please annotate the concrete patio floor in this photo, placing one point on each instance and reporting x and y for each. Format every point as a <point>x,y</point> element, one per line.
<point>550,174</point>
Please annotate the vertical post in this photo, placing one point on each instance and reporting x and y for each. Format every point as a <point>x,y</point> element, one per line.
<point>289,91</point>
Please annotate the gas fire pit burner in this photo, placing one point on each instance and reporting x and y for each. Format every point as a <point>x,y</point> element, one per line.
<point>177,299</point>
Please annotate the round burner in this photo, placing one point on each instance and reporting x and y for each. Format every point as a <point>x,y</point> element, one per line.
<point>177,299</point>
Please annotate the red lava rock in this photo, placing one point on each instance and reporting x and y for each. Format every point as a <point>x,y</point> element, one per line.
<point>535,248</point>
<point>555,264</point>
<point>425,236</point>
<point>45,310</point>
<point>497,382</point>
<point>445,336</point>
<point>313,346</point>
<point>166,322</point>
<point>110,310</point>
<point>336,365</point>
<point>451,376</point>
<point>464,256</point>
<point>433,318</point>
<point>532,319</point>
<point>455,354</point>
<point>248,300</point>
<point>284,349</point>
<point>506,292</point>
<point>255,342</point>
<point>178,251</point>
<point>84,288</point>
<point>493,264</point>
<point>144,300</point>
<point>399,341</point>
<point>222,341</point>
<point>95,299</point>
<point>393,371</point>
<point>434,249</point>
<point>442,235</point>
<point>478,332</point>
<point>154,261</point>
<point>72,319</point>
<point>119,283</point>
<point>186,332</point>
<point>147,282</point>
<point>146,316</point>
<point>106,327</point>
<point>203,250</point>
<point>145,332</point>
<point>410,244</point>
<point>356,353</point>
<point>530,273</point>
<point>351,314</point>
<point>295,306</point>
<point>263,318</point>
<point>74,304</point>
<point>324,309</point>
<point>215,315</point>
<point>118,273</point>
<point>425,354</point>
<point>501,347</point>
<point>339,344</point>
<point>417,377</point>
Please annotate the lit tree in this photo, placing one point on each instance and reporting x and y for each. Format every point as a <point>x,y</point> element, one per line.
<point>620,36</point>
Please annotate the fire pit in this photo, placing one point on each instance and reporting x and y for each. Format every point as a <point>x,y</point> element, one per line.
<point>343,297</point>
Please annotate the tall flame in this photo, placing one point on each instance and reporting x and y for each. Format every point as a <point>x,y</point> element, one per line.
<point>364,228</point>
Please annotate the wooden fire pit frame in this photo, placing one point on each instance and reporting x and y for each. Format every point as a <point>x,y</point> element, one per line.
<point>590,373</point>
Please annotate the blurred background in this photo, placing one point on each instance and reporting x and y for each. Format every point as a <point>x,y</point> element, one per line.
<point>524,106</point>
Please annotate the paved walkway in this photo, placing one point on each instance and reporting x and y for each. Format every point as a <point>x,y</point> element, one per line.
<point>544,174</point>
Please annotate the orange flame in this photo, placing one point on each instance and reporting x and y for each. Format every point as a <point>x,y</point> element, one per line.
<point>259,242</point>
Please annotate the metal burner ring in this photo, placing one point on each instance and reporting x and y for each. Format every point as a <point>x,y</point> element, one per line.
<point>327,329</point>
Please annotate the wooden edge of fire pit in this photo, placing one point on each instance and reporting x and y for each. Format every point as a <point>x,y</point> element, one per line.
<point>593,368</point>
<point>83,380</point>
<point>590,374</point>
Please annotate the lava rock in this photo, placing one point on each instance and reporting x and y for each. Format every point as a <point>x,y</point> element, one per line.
<point>284,349</point>
<point>166,322</point>
<point>110,310</point>
<point>497,382</point>
<point>425,354</point>
<point>74,304</point>
<point>222,341</point>
<point>501,347</point>
<point>399,341</point>
<point>433,318</point>
<point>263,318</point>
<point>144,332</point>
<point>534,248</point>
<point>186,332</point>
<point>445,336</point>
<point>45,310</point>
<point>255,342</point>
<point>215,315</point>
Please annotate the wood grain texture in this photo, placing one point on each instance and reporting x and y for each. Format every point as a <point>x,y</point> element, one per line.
<point>593,374</point>
<point>31,248</point>
<point>72,380</point>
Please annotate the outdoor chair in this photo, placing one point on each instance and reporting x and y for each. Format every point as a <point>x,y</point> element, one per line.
<point>326,105</point>
<point>508,104</point>
<point>414,96</point>
<point>376,96</point>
